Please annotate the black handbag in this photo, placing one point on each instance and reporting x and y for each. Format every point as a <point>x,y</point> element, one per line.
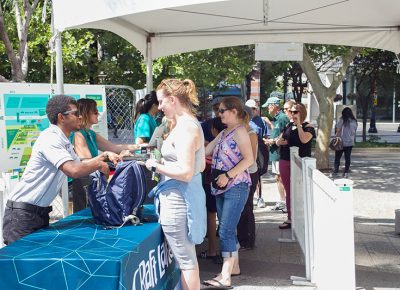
<point>214,174</point>
<point>336,144</point>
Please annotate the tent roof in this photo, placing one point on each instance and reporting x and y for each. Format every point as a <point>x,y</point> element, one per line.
<point>177,26</point>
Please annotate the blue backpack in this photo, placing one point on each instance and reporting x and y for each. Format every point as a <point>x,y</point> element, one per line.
<point>116,202</point>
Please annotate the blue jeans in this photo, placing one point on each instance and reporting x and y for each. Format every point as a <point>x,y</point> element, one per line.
<point>229,207</point>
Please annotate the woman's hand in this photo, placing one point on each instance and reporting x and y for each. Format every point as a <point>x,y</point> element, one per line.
<point>222,180</point>
<point>281,141</point>
<point>125,153</point>
<point>151,163</point>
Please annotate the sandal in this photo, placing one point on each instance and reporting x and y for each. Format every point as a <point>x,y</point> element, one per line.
<point>216,284</point>
<point>285,225</point>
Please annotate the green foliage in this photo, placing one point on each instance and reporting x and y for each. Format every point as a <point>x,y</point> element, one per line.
<point>207,67</point>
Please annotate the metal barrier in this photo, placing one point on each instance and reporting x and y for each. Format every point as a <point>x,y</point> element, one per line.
<point>322,224</point>
<point>120,107</point>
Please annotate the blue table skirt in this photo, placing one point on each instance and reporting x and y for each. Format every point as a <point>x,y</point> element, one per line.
<point>75,253</point>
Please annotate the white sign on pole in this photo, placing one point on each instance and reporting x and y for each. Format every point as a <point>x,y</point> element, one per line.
<point>279,51</point>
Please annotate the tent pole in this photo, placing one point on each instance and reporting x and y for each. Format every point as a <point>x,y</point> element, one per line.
<point>149,66</point>
<point>59,65</point>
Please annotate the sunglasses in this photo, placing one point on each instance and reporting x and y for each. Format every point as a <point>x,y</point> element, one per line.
<point>294,112</point>
<point>72,112</point>
<point>221,111</point>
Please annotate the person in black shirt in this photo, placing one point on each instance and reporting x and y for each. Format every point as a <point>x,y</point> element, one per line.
<point>297,133</point>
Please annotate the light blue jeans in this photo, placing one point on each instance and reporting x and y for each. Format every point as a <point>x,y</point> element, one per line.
<point>229,207</point>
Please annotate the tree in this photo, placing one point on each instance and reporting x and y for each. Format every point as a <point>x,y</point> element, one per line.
<point>18,58</point>
<point>369,69</point>
<point>324,93</point>
<point>207,67</point>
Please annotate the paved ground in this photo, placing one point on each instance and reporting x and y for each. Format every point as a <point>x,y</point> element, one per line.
<point>387,132</point>
<point>377,247</point>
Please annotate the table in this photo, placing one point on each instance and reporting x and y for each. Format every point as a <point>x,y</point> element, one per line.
<point>75,253</point>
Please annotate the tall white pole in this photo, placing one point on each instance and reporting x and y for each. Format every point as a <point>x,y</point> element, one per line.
<point>149,67</point>
<point>59,64</point>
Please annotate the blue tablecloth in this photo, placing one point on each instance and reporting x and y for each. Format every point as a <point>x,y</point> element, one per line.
<point>75,253</point>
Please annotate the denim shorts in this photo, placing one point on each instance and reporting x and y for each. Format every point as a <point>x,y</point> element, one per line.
<point>173,220</point>
<point>230,205</point>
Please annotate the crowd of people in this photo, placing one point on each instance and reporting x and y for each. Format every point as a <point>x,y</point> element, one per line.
<point>209,173</point>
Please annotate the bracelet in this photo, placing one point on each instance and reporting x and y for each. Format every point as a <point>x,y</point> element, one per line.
<point>227,176</point>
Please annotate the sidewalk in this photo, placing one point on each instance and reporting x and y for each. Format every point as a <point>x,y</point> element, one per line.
<point>377,247</point>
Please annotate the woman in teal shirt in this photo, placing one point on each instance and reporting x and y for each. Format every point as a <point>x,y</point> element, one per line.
<point>145,123</point>
<point>87,144</point>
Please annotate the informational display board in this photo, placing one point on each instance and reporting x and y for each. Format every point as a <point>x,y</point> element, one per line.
<point>23,117</point>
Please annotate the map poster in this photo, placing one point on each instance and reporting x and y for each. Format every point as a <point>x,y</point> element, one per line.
<point>23,117</point>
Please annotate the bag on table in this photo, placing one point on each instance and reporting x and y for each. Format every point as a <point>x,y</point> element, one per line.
<point>214,174</point>
<point>336,144</point>
<point>120,200</point>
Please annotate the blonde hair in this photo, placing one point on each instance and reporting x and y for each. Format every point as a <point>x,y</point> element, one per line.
<point>184,90</point>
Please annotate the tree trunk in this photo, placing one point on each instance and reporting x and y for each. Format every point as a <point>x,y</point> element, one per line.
<point>325,99</point>
<point>325,123</point>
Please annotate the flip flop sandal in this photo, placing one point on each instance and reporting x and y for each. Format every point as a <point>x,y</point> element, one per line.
<point>217,285</point>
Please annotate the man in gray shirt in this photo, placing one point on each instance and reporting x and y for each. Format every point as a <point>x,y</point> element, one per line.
<point>52,158</point>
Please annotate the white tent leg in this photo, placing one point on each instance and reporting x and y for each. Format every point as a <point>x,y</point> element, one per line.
<point>59,64</point>
<point>149,67</point>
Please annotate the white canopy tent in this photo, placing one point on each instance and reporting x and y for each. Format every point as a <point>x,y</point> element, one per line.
<point>159,28</point>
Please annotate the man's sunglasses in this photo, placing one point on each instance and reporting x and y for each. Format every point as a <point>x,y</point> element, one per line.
<point>72,112</point>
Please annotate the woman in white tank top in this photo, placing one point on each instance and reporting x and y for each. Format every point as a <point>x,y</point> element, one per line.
<point>183,160</point>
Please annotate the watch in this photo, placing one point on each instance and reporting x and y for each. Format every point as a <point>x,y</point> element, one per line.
<point>227,176</point>
<point>153,168</point>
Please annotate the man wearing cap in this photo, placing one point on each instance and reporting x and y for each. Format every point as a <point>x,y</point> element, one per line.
<point>280,120</point>
<point>257,123</point>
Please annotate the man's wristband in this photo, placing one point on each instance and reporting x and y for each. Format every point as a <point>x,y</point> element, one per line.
<point>227,176</point>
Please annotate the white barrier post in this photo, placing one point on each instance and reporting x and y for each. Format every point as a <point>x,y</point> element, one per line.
<point>334,262</point>
<point>303,228</point>
<point>295,186</point>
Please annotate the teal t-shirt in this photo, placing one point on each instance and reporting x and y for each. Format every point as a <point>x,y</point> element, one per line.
<point>90,137</point>
<point>144,127</point>
<point>280,121</point>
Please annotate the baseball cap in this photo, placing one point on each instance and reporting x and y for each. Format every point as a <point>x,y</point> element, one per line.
<point>272,101</point>
<point>251,103</point>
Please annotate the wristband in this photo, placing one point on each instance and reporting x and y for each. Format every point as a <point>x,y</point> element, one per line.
<point>227,176</point>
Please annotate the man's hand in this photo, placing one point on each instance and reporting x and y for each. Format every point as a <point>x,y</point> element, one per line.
<point>269,141</point>
<point>104,169</point>
<point>110,156</point>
